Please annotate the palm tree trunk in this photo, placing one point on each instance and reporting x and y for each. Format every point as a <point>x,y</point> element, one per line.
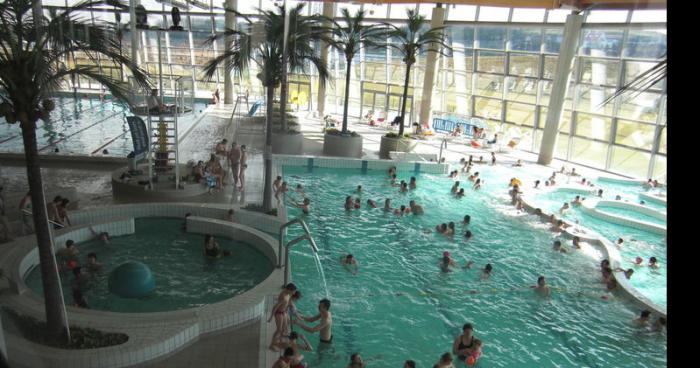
<point>283,98</point>
<point>347,94</point>
<point>405,97</point>
<point>53,301</point>
<point>267,189</point>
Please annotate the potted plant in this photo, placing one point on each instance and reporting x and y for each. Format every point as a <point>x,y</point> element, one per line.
<point>267,54</point>
<point>348,37</point>
<point>413,39</point>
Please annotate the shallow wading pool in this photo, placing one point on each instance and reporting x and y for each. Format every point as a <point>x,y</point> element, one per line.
<point>401,306</point>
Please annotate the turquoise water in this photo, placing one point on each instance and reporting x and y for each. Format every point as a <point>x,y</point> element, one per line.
<point>651,283</point>
<point>400,306</point>
<point>184,277</point>
<point>84,126</point>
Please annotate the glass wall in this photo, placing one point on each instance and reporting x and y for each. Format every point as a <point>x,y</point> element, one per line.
<point>500,69</point>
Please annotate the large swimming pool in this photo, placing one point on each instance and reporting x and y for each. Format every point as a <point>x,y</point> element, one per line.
<point>84,126</point>
<point>401,306</point>
<point>184,278</point>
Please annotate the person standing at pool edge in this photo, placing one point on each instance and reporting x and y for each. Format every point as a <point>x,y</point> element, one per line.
<point>279,312</point>
<point>325,325</point>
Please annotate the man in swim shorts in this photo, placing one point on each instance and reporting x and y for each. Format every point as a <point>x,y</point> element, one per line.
<point>325,325</point>
<point>541,288</point>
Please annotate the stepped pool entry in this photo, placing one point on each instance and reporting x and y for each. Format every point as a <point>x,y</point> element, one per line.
<point>401,306</point>
<point>184,277</point>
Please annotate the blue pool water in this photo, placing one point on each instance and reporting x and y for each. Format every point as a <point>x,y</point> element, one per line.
<point>650,282</point>
<point>400,306</point>
<point>184,278</point>
<point>84,126</point>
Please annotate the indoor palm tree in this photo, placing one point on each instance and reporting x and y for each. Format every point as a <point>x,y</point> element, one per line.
<point>33,54</point>
<point>411,40</point>
<point>348,37</point>
<point>267,55</point>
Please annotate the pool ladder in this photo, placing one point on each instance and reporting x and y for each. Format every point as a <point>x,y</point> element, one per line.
<point>306,236</point>
<point>442,144</point>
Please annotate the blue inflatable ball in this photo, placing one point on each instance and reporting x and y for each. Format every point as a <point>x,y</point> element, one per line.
<point>131,280</point>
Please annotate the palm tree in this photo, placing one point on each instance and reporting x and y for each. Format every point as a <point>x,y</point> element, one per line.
<point>642,82</point>
<point>349,38</point>
<point>32,55</point>
<point>413,40</point>
<point>267,55</point>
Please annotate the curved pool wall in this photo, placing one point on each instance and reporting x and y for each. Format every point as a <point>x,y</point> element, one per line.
<point>591,207</point>
<point>151,335</point>
<point>609,251</point>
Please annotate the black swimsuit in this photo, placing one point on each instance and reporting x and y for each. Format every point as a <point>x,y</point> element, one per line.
<point>462,346</point>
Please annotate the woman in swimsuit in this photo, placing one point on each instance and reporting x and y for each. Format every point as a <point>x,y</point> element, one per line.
<point>279,312</point>
<point>464,344</point>
<point>212,249</point>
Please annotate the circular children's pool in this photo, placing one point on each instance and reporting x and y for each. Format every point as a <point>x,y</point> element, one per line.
<point>184,277</point>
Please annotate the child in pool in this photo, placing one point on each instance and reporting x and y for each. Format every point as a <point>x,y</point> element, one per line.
<point>476,353</point>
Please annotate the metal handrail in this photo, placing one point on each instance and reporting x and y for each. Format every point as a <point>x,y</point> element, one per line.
<point>306,236</point>
<point>28,212</point>
<point>444,143</point>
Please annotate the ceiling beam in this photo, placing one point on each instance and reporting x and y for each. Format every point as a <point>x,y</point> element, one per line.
<point>546,4</point>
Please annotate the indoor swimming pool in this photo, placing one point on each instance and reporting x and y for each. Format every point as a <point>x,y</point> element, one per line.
<point>401,306</point>
<point>85,126</point>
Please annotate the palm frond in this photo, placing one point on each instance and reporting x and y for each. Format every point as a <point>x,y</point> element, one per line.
<point>640,84</point>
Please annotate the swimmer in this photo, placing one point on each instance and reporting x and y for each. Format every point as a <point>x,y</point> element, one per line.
<point>404,187</point>
<point>356,361</point>
<point>446,262</point>
<point>576,201</point>
<point>537,183</point>
<point>445,361</point>
<point>359,189</point>
<point>350,263</point>
<point>460,194</point>
<point>93,266</point>
<point>659,325</point>
<point>212,249</point>
<point>69,251</point>
<point>276,184</point>
<point>455,187</point>
<point>392,171</point>
<point>576,242</point>
<point>466,220</point>
<point>387,205</point>
<point>559,226</point>
<point>477,184</point>
<point>600,193</point>
<point>230,217</point>
<point>468,265</point>
<point>467,235</point>
<point>618,197</point>
<point>357,204</point>
<point>393,181</point>
<point>541,288</point>
<point>305,205</point>
<point>628,272</point>
<point>557,247</point>
<point>474,176</point>
<point>493,158</point>
<point>412,183</point>
<point>415,208</point>
<point>441,228</point>
<point>619,242</point>
<point>518,163</point>
<point>279,312</point>
<point>371,203</point>
<point>400,211</point>
<point>642,203</point>
<point>653,263</point>
<point>450,229</point>
<point>486,272</point>
<point>643,319</point>
<point>648,184</point>
<point>638,261</point>
<point>285,360</point>
<point>564,208</point>
<point>300,190</point>
<point>102,236</point>
<point>292,342</point>
<point>348,203</point>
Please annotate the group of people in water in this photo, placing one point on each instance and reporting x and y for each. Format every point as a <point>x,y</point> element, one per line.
<point>84,273</point>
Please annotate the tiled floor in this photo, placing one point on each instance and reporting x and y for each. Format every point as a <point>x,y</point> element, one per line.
<point>228,348</point>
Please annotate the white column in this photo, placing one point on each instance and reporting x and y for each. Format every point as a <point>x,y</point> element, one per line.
<point>134,31</point>
<point>328,11</point>
<point>229,23</point>
<point>437,20</point>
<point>569,46</point>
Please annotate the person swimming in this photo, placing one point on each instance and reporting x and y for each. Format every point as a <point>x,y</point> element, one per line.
<point>467,235</point>
<point>460,194</point>
<point>477,184</point>
<point>653,262</point>
<point>212,249</point>
<point>357,203</point>
<point>350,263</point>
<point>371,203</point>
<point>447,262</point>
<point>348,203</point>
<point>412,183</point>
<point>557,247</point>
<point>486,272</point>
<point>576,242</point>
<point>450,229</point>
<point>455,187</point>
<point>415,208</point>
<point>541,288</point>
<point>441,228</point>
<point>387,205</point>
<point>304,205</point>
<point>359,189</point>
<point>467,219</point>
<point>564,208</point>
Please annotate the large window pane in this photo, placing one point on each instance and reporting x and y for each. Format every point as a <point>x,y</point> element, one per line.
<point>491,62</point>
<point>525,39</point>
<point>489,85</point>
<point>524,64</point>
<point>460,36</point>
<point>662,141</point>
<point>660,169</point>
<point>561,147</point>
<point>492,37</point>
<point>376,10</point>
<point>593,126</point>
<point>590,99</point>
<point>646,43</point>
<point>589,152</point>
<point>493,14</point>
<point>487,108</point>
<point>550,67</point>
<point>633,134</point>
<point>634,68</point>
<point>598,42</point>
<point>552,39</point>
<point>520,114</point>
<point>599,71</point>
<point>528,15</point>
<point>631,162</point>
<point>521,89</point>
<point>462,12</point>
<point>607,16</point>
<point>643,106</point>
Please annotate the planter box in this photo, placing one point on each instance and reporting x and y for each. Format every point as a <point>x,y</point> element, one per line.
<point>343,146</point>
<point>395,144</point>
<point>288,144</point>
